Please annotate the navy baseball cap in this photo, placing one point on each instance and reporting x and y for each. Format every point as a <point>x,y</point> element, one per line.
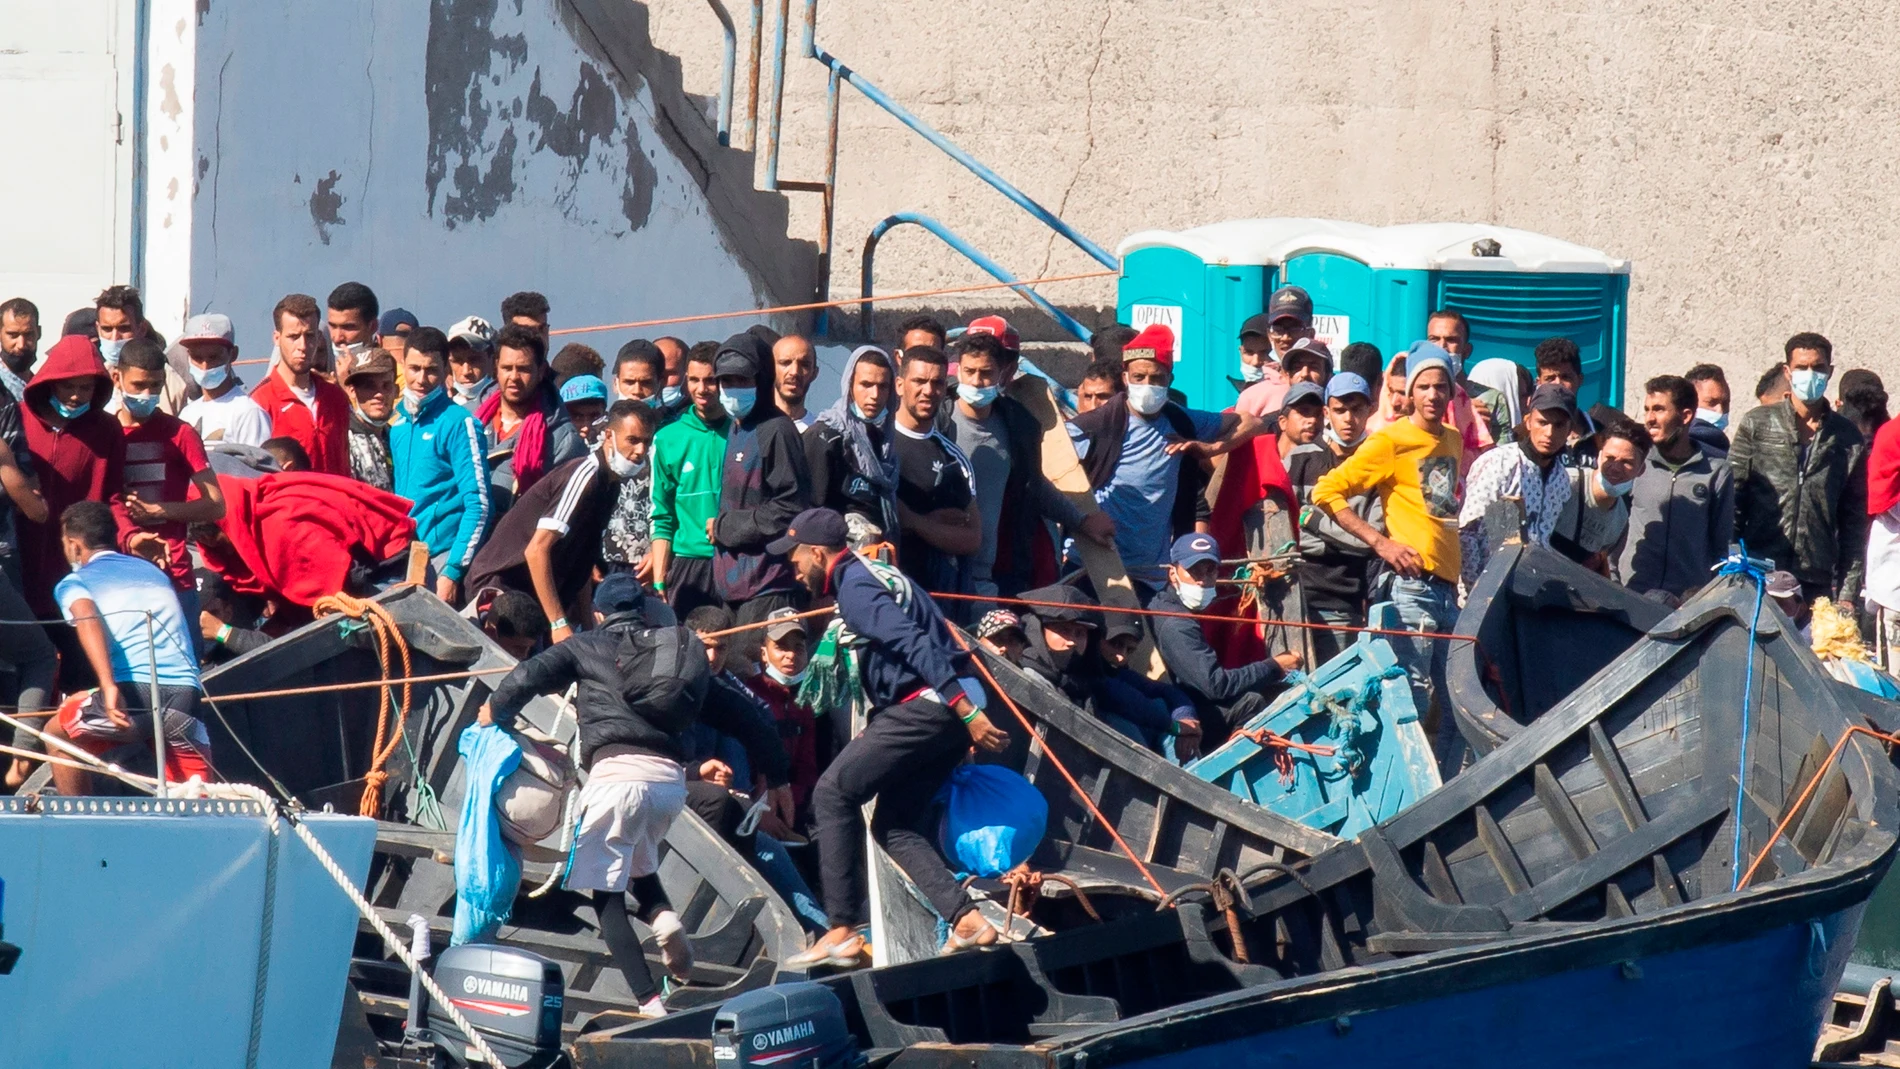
<point>619,592</point>
<point>1290,302</point>
<point>812,527</point>
<point>1192,549</point>
<point>1345,384</point>
<point>397,321</point>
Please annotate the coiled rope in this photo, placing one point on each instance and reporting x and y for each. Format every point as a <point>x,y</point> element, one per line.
<point>388,635</point>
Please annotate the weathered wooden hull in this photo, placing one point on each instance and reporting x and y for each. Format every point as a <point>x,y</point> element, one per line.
<point>1566,900</point>
<point>317,746</point>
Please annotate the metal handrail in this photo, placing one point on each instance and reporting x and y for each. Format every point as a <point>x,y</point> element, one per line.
<point>727,68</point>
<point>969,252</point>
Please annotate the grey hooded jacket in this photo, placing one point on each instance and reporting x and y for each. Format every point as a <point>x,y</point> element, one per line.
<point>1681,523</point>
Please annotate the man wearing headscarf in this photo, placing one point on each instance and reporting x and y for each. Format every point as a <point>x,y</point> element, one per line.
<point>848,449</point>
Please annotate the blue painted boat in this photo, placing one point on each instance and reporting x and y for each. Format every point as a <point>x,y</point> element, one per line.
<point>1359,754</point>
<point>1575,899</point>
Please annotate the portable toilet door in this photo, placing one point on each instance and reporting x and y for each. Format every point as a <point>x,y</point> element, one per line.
<point>1376,284</point>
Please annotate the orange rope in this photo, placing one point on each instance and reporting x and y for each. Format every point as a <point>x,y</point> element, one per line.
<point>1283,748</point>
<point>1100,818</point>
<point>387,634</point>
<point>815,305</point>
<point>1795,810</point>
<point>1210,616</point>
<point>755,625</point>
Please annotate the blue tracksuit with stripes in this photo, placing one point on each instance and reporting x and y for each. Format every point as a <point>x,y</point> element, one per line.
<point>440,453</point>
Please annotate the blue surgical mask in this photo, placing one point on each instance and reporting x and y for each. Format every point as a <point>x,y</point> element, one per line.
<point>738,401</point>
<point>109,350</point>
<point>670,396</point>
<point>976,396</point>
<point>70,411</point>
<point>1621,489</point>
<point>1808,384</point>
<point>415,403</point>
<point>1146,398</point>
<point>1252,372</point>
<point>141,405</point>
<point>210,378</point>
<point>656,400</point>
<point>1718,420</point>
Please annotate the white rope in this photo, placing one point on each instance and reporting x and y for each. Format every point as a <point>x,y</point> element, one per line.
<point>368,912</point>
<point>567,844</point>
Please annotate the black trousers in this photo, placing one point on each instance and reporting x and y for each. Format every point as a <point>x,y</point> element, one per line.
<point>903,758</point>
<point>689,584</point>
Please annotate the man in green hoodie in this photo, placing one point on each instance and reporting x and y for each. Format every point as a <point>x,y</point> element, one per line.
<point>688,455</point>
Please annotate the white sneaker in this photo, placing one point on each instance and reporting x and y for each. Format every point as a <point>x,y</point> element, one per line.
<point>653,1007</point>
<point>675,949</point>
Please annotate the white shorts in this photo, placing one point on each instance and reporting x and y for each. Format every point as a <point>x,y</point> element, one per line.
<point>627,807</point>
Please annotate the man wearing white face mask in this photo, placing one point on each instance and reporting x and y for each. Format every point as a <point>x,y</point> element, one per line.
<point>1225,698</point>
<point>783,659</point>
<point>1597,512</point>
<point>223,412</point>
<point>440,454</point>
<point>1800,480</point>
<point>1133,448</point>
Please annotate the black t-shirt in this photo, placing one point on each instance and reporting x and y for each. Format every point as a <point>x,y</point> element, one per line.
<point>1332,574</point>
<point>574,500</point>
<point>932,474</point>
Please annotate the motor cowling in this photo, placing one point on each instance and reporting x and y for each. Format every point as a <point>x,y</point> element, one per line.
<point>786,1026</point>
<point>512,997</point>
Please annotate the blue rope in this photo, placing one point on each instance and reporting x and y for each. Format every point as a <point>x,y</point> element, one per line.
<point>1741,564</point>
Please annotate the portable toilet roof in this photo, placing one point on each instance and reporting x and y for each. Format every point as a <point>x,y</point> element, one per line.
<point>1407,246</point>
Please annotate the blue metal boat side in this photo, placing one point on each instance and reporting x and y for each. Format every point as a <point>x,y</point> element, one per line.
<point>142,931</point>
<point>1732,982</point>
<point>1358,705</point>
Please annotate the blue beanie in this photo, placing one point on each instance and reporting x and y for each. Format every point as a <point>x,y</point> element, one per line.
<point>1422,356</point>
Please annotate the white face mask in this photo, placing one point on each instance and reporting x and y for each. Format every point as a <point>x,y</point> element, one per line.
<point>109,349</point>
<point>210,378</point>
<point>1252,373</point>
<point>414,401</point>
<point>1614,489</point>
<point>619,464</point>
<point>473,388</point>
<point>1808,384</point>
<point>1718,420</point>
<point>1147,399</point>
<point>783,679</point>
<point>1334,438</point>
<point>1195,596</point>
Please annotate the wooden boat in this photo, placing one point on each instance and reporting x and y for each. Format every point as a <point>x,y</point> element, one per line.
<point>1183,828</point>
<point>1544,625</point>
<point>1569,900</point>
<point>1360,755</point>
<point>317,747</point>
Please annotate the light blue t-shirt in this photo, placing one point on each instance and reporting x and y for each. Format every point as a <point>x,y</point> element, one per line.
<point>126,588</point>
<point>1140,496</point>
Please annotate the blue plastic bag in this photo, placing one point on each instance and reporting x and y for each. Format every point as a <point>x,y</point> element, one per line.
<point>487,872</point>
<point>993,820</point>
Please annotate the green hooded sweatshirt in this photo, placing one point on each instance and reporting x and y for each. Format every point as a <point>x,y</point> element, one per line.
<point>687,458</point>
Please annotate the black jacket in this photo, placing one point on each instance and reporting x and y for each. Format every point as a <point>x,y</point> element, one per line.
<point>592,660</point>
<point>764,485</point>
<point>1185,650</point>
<point>1809,519</point>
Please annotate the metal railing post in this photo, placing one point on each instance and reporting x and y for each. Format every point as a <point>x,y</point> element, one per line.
<point>752,77</point>
<point>828,209</point>
<point>730,61</point>
<point>158,711</point>
<point>774,123</point>
<point>969,252</point>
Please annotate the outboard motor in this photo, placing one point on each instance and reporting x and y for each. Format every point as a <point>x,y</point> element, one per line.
<point>512,997</point>
<point>791,1026</point>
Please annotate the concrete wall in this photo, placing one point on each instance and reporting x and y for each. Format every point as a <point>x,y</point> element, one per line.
<point>1741,153</point>
<point>447,153</point>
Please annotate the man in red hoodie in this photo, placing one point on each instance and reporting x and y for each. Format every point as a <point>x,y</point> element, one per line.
<point>312,410</point>
<point>80,454</point>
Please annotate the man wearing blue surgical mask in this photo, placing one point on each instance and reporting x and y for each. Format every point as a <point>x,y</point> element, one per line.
<point>121,317</point>
<point>223,412</point>
<point>1597,513</point>
<point>164,460</point>
<point>1800,479</point>
<point>1004,445</point>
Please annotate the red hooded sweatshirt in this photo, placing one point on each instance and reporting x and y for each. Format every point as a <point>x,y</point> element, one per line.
<point>81,459</point>
<point>323,433</point>
<point>295,534</point>
<point>1254,473</point>
<point>1883,469</point>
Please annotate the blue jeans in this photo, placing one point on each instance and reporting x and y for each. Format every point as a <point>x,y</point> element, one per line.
<point>1429,603</point>
<point>769,856</point>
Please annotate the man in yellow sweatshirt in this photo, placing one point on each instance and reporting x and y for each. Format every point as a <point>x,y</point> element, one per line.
<point>1413,465</point>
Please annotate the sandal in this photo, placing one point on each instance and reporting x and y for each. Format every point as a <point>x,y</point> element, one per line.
<point>986,936</point>
<point>846,951</point>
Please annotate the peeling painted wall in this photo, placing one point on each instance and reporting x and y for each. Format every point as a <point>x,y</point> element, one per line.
<point>447,153</point>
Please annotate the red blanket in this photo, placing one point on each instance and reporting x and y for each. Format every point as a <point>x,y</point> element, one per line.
<point>1253,473</point>
<point>294,535</point>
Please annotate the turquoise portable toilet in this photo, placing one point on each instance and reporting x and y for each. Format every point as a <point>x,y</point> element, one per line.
<point>1375,284</point>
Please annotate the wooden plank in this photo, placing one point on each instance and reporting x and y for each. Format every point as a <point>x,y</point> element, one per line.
<point>1215,846</point>
<point>1616,905</point>
<point>1154,832</point>
<point>1823,815</point>
<point>1499,849</point>
<point>1610,764</point>
<point>1437,876</point>
<point>1665,878</point>
<point>1563,812</point>
<point>1615,857</point>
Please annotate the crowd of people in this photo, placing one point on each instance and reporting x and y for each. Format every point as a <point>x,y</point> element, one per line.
<point>174,505</point>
